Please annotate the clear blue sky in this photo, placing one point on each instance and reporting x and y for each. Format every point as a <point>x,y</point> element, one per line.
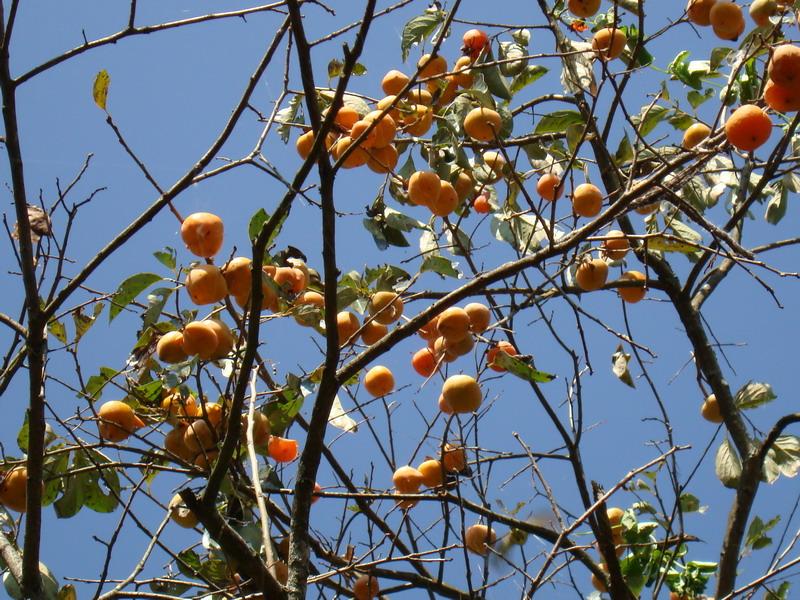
<point>171,93</point>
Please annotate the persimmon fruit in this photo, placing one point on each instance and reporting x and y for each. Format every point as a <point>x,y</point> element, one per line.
<point>748,128</point>
<point>591,275</point>
<point>478,538</point>
<point>482,124</point>
<point>206,285</point>
<point>587,200</point>
<point>608,43</point>
<point>549,187</point>
<point>710,410</point>
<point>695,134</point>
<point>633,294</point>
<point>424,188</point>
<point>379,381</point>
<point>202,232</point>
<point>462,393</point>
<point>282,449</point>
<point>170,348</point>
<point>117,421</point>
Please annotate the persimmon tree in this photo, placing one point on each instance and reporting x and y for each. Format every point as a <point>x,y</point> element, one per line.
<point>383,371</point>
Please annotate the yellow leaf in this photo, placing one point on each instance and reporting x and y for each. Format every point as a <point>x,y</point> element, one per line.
<point>100,88</point>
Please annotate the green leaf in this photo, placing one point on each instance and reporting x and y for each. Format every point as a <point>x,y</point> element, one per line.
<point>690,503</point>
<point>386,277</point>
<point>94,495</point>
<point>189,563</point>
<point>516,366</point>
<point>128,290</point>
<point>558,121</point>
<point>67,593</point>
<point>528,75</point>
<point>782,593</point>
<point>495,81</point>
<point>696,98</point>
<point>756,534</point>
<point>624,153</point>
<point>84,322</point>
<point>22,435</point>
<point>718,56</point>
<point>287,116</point>
<point>57,330</point>
<point>727,465</point>
<point>776,207</point>
<point>418,28</point>
<point>156,300</point>
<point>783,458</point>
<point>335,68</point>
<point>619,362</point>
<point>440,265</point>
<point>167,257</point>
<point>283,411</point>
<point>753,395</point>
<point>256,223</point>
<point>649,120</point>
<point>94,387</point>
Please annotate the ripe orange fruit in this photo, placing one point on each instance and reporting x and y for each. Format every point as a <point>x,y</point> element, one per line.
<point>202,233</point>
<point>648,209</point>
<point>784,65</point>
<point>616,245</point>
<point>727,20</point>
<point>748,128</point>
<point>393,82</point>
<point>206,285</point>
<point>366,588</point>
<point>431,66</point>
<point>474,41</point>
<point>464,185</point>
<point>180,514</point>
<point>211,412</point>
<point>459,347</point>
<point>782,98</point>
<point>418,95</point>
<point>548,187</point>
<point>200,337</point>
<point>698,11</point>
<point>432,473</point>
<point>170,348</point>
<point>176,408</point>
<point>347,325</point>
<point>608,43</point>
<point>379,381</point>
<point>424,362</point>
<point>14,489</point>
<point>453,323</point>
<point>225,339</point>
<point>282,450</point>
<point>261,429</point>
<point>454,458</point>
<point>695,134</point>
<point>372,332</point>
<point>205,460</point>
<point>117,421</point>
<point>491,355</point>
<point>345,117</point>
<point>478,538</point>
<point>482,124</point>
<point>356,158</point>
<point>441,350</point>
<point>496,163</point>
<point>429,331</point>
<point>313,299</point>
<point>633,294</point>
<point>304,144</point>
<point>446,202</point>
<point>479,316</point>
<point>710,410</point>
<point>199,436</point>
<point>407,480</point>
<point>583,8</point>
<point>444,407</point>
<point>386,307</point>
<point>615,515</point>
<point>381,135</point>
<point>598,583</point>
<point>424,188</point>
<point>591,275</point>
<point>587,200</point>
<point>237,274</point>
<point>761,10</point>
<point>481,205</point>
<point>462,393</point>
<point>383,160</point>
<point>174,444</point>
<point>419,120</point>
<point>463,74</point>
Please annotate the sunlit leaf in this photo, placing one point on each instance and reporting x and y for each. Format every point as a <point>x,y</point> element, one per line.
<point>339,418</point>
<point>417,29</point>
<point>100,88</point>
<point>128,290</point>
<point>727,465</point>
<point>521,369</point>
<point>619,366</point>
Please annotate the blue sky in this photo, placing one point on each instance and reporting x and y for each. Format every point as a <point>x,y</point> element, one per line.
<point>171,93</point>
